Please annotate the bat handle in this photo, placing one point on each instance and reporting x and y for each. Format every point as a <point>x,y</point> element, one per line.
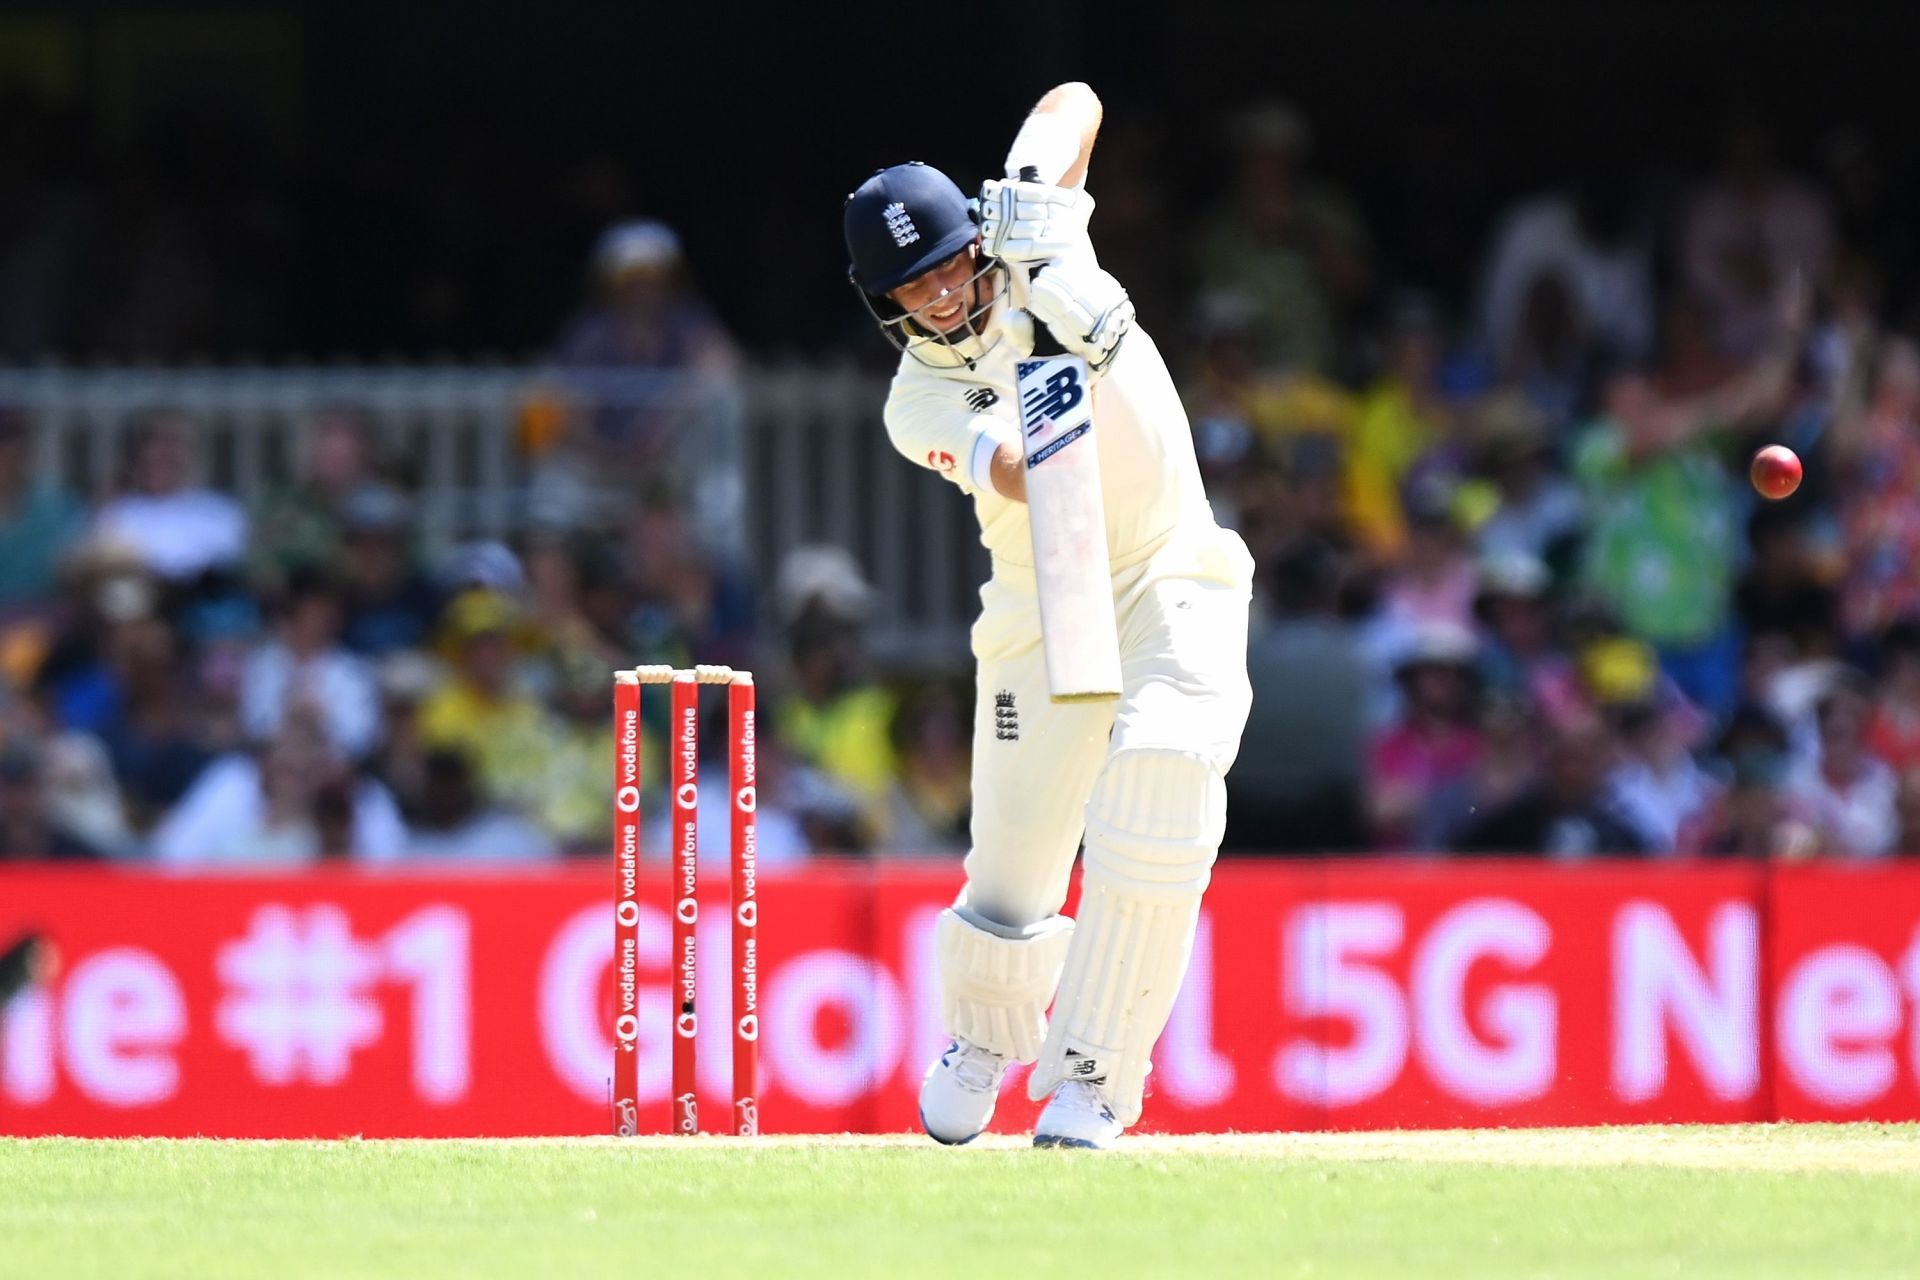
<point>1045,345</point>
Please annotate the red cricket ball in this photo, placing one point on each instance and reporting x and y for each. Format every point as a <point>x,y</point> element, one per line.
<point>1776,472</point>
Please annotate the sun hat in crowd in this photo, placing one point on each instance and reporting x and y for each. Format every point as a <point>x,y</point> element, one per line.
<point>1438,644</point>
<point>1513,575</point>
<point>487,565</point>
<point>822,579</point>
<point>376,508</point>
<point>642,244</point>
<point>1619,670</point>
<point>1273,125</point>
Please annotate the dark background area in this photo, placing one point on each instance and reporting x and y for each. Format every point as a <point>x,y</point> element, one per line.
<point>426,178</point>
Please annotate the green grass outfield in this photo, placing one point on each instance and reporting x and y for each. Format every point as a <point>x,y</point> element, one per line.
<point>1832,1200</point>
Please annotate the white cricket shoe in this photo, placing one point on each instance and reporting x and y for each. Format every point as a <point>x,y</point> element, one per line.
<point>957,1096</point>
<point>1076,1116</point>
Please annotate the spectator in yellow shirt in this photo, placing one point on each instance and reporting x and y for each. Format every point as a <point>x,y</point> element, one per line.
<point>480,712</point>
<point>836,722</point>
<point>575,804</point>
<point>1401,417</point>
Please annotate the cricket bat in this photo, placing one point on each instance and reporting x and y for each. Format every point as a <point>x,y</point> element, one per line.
<point>1069,524</point>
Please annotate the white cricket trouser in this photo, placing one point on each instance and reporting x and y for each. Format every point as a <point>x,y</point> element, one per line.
<point>1182,617</point>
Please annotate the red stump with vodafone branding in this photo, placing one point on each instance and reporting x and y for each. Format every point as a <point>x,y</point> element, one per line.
<point>683,789</point>
<point>626,904</point>
<point>684,774</point>
<point>743,769</point>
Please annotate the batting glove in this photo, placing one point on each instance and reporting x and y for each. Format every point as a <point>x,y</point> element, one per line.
<point>1032,221</point>
<point>1086,309</point>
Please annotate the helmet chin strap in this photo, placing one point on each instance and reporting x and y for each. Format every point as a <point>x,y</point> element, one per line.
<point>981,329</point>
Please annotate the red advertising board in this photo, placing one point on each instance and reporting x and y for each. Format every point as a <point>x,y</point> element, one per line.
<point>1330,994</point>
<point>1844,969</point>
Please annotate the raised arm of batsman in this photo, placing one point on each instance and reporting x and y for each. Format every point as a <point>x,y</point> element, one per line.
<point>1043,215</point>
<point>1037,218</point>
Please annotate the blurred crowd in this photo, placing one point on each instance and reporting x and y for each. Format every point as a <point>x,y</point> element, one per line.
<point>192,683</point>
<point>1514,593</point>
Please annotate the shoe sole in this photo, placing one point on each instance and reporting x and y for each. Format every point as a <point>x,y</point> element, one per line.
<point>946,1142</point>
<point>1077,1144</point>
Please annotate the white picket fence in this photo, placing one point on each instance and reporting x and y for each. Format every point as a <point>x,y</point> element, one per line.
<point>771,460</point>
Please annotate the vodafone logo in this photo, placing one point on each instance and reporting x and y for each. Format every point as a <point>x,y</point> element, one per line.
<point>749,1028</point>
<point>686,910</point>
<point>940,460</point>
<point>748,914</point>
<point>747,799</point>
<point>687,796</point>
<point>627,799</point>
<point>627,1029</point>
<point>627,914</point>
<point>686,1025</point>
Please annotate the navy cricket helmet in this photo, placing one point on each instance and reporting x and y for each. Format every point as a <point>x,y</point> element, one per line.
<point>901,223</point>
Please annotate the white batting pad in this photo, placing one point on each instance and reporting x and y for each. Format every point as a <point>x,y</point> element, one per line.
<point>1153,830</point>
<point>996,982</point>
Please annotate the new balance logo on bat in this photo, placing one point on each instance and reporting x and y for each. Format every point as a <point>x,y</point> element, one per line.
<point>1060,394</point>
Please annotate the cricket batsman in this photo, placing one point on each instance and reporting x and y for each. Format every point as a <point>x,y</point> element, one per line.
<point>970,291</point>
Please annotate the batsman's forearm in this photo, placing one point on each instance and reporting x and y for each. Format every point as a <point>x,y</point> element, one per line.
<point>1057,138</point>
<point>1009,471</point>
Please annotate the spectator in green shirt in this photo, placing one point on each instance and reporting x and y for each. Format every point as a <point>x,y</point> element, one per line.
<point>305,525</point>
<point>37,521</point>
<point>1662,546</point>
<point>1660,550</point>
<point>1293,243</point>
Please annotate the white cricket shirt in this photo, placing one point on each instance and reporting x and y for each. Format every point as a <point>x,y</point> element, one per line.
<point>945,416</point>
